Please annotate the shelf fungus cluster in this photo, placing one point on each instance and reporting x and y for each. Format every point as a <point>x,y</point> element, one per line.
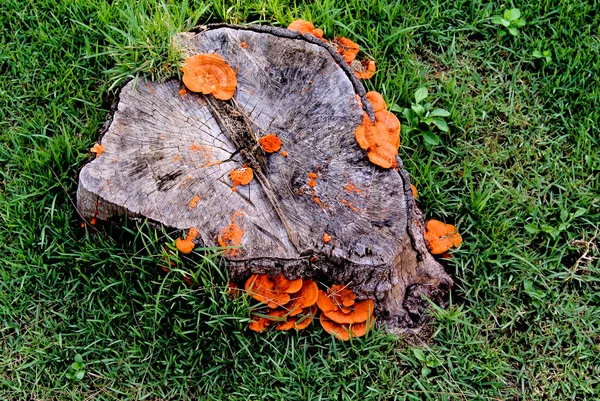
<point>209,74</point>
<point>363,69</point>
<point>441,237</point>
<point>293,304</point>
<point>381,139</point>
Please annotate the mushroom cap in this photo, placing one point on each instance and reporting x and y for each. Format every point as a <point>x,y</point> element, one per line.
<point>97,149</point>
<point>184,246</point>
<point>392,124</point>
<point>241,176</point>
<point>364,69</point>
<point>270,143</point>
<point>331,306</point>
<point>377,101</point>
<point>414,191</point>
<point>209,74</point>
<point>440,236</point>
<point>273,291</point>
<point>345,331</point>
<point>306,297</point>
<point>300,321</point>
<point>302,26</point>
<point>347,48</point>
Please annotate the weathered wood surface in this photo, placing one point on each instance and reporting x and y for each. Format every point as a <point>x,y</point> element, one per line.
<point>164,149</point>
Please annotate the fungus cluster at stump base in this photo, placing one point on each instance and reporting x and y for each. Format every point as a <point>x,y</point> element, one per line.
<point>166,149</point>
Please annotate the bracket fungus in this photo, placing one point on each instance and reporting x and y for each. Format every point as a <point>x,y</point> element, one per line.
<point>440,236</point>
<point>187,245</point>
<point>305,27</point>
<point>381,139</point>
<point>342,315</point>
<point>209,74</point>
<point>290,302</point>
<point>270,143</point>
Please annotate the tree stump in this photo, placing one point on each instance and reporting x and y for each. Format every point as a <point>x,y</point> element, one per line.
<point>167,155</point>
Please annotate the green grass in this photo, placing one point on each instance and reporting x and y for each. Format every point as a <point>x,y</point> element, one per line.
<point>518,172</point>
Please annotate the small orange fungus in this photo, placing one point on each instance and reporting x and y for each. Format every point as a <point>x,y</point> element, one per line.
<point>97,149</point>
<point>345,331</point>
<point>364,69</point>
<point>342,315</point>
<point>241,176</point>
<point>284,153</point>
<point>380,139</point>
<point>307,296</point>
<point>187,245</point>
<point>377,101</point>
<point>305,27</point>
<point>244,45</point>
<point>339,304</point>
<point>414,191</point>
<point>209,74</point>
<point>194,202</point>
<point>440,236</point>
<point>346,48</point>
<point>231,236</point>
<point>273,291</point>
<point>326,238</point>
<point>270,143</point>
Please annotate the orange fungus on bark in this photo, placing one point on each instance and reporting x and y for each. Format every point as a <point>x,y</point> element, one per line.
<point>187,245</point>
<point>231,236</point>
<point>270,143</point>
<point>209,74</point>
<point>440,236</point>
<point>97,149</point>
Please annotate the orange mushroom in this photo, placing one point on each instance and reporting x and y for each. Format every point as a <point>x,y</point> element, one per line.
<point>346,48</point>
<point>339,305</point>
<point>440,236</point>
<point>377,101</point>
<point>305,27</point>
<point>306,297</point>
<point>381,139</point>
<point>273,291</point>
<point>209,74</point>
<point>187,245</point>
<point>414,191</point>
<point>97,149</point>
<point>364,69</point>
<point>240,176</point>
<point>299,321</point>
<point>345,331</point>
<point>326,238</point>
<point>270,143</point>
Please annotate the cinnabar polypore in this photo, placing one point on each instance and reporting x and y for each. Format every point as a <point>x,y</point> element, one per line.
<point>270,143</point>
<point>342,315</point>
<point>291,302</point>
<point>305,27</point>
<point>187,245</point>
<point>273,291</point>
<point>97,149</point>
<point>346,48</point>
<point>381,139</point>
<point>209,74</point>
<point>440,236</point>
<point>241,176</point>
<point>364,69</point>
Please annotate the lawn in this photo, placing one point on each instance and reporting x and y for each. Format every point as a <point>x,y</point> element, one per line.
<point>87,313</point>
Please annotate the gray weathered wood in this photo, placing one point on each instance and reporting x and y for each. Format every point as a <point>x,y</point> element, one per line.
<point>163,149</point>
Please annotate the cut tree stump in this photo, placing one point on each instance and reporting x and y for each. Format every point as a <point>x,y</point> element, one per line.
<point>167,155</point>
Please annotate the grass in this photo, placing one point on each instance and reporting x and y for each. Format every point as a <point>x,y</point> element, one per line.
<point>518,172</point>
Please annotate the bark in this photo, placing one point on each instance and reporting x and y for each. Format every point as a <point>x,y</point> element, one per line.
<point>164,150</point>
